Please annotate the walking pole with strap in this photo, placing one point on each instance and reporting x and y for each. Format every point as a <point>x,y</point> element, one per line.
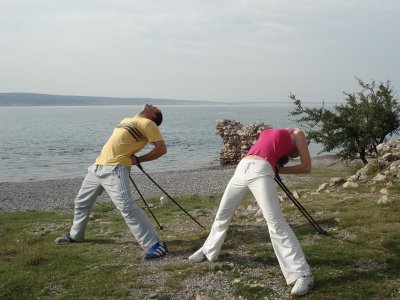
<point>141,196</point>
<point>310,219</point>
<point>172,199</point>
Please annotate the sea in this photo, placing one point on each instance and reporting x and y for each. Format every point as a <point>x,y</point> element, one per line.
<point>60,142</point>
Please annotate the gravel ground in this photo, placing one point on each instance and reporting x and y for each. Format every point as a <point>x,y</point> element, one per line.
<point>58,195</point>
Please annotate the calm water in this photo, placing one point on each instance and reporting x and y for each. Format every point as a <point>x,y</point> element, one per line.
<point>39,143</point>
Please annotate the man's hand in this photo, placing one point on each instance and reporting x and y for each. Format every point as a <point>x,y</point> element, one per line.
<point>135,160</point>
<point>159,150</point>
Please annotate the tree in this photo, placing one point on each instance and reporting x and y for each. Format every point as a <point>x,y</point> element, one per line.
<point>356,127</point>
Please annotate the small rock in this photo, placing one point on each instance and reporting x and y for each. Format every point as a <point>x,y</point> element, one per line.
<point>384,199</point>
<point>153,296</point>
<point>395,166</point>
<point>164,200</point>
<point>350,184</point>
<point>257,285</point>
<point>258,213</point>
<point>389,157</point>
<point>384,191</point>
<point>322,187</point>
<point>353,178</point>
<point>296,195</point>
<point>251,208</point>
<point>379,177</point>
<point>202,297</point>
<point>336,181</point>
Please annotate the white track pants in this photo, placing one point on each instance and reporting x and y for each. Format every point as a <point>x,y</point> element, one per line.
<point>258,176</point>
<point>115,181</point>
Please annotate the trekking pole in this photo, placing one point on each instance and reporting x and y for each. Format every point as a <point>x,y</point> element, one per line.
<point>310,219</point>
<point>173,200</point>
<point>148,207</point>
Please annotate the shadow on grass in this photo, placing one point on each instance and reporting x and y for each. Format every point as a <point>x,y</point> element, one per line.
<point>185,247</point>
<point>364,282</point>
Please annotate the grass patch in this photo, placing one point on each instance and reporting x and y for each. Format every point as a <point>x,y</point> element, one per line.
<point>359,259</point>
<point>253,291</point>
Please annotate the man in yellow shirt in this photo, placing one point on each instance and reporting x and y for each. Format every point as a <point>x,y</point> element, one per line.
<point>110,172</point>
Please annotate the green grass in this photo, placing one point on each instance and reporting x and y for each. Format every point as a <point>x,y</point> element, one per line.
<point>359,259</point>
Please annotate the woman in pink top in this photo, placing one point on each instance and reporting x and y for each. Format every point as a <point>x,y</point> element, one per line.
<point>255,172</point>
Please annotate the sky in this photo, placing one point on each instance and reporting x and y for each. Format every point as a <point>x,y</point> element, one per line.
<point>213,50</point>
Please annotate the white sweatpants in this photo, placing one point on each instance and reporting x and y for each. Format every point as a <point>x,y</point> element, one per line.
<point>258,176</point>
<point>115,181</point>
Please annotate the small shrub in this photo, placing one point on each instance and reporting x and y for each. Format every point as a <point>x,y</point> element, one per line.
<point>354,166</point>
<point>373,168</point>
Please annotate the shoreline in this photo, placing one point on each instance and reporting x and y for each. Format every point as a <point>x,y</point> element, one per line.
<point>59,194</point>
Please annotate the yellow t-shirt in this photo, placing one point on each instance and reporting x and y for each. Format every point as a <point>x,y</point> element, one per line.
<point>128,138</point>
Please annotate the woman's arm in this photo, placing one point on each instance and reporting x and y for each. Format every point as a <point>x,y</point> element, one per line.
<point>299,139</point>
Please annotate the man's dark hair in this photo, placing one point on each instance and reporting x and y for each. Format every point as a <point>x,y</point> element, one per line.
<point>158,119</point>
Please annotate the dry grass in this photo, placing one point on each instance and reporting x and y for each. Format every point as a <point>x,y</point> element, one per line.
<point>359,259</point>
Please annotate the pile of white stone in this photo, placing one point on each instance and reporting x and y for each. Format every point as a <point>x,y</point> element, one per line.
<point>385,168</point>
<point>237,139</point>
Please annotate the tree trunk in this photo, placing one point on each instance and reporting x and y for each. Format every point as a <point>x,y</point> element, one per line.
<point>362,157</point>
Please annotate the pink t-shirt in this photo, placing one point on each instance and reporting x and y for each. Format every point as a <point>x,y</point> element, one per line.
<point>272,144</point>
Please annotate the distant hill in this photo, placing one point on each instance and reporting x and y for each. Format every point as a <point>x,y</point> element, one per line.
<point>32,99</point>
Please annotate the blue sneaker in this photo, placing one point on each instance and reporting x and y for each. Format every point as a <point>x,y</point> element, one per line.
<point>156,251</point>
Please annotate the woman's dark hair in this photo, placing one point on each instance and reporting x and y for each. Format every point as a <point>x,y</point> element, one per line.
<point>282,161</point>
<point>158,119</point>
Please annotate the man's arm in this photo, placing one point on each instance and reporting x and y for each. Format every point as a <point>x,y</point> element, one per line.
<point>159,150</point>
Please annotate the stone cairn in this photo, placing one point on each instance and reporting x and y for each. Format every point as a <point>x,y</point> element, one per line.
<point>384,169</point>
<point>237,139</point>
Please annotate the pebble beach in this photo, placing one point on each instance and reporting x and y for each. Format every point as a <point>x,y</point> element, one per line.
<point>58,195</point>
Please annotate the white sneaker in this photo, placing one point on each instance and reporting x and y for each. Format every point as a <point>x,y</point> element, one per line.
<point>303,285</point>
<point>197,257</point>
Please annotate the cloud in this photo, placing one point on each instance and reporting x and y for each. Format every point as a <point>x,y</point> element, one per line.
<point>229,48</point>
